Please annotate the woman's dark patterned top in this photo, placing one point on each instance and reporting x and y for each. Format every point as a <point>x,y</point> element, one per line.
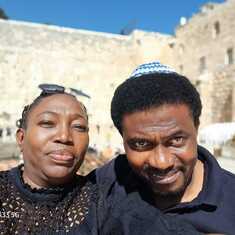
<point>61,210</point>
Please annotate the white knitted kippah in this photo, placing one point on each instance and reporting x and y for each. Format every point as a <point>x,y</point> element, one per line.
<point>151,68</point>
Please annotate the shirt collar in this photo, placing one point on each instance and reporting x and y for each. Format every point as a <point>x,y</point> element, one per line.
<point>213,178</point>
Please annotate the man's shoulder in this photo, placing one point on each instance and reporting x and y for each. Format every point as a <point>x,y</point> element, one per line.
<point>229,177</point>
<point>212,162</point>
<point>112,170</point>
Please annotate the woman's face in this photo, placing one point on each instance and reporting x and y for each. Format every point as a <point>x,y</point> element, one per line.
<point>55,140</point>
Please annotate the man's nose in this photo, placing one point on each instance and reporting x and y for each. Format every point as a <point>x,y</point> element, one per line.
<point>162,159</point>
<point>64,134</point>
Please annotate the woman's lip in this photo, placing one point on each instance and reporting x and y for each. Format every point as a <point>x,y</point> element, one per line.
<point>166,179</point>
<point>62,156</point>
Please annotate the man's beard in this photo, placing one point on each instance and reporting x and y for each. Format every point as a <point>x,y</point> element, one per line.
<point>168,194</point>
<point>148,175</point>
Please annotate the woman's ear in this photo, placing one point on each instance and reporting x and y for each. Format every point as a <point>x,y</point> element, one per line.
<point>20,138</point>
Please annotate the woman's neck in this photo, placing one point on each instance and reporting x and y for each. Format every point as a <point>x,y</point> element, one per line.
<point>31,182</point>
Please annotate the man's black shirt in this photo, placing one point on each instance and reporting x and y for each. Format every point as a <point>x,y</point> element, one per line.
<point>212,211</point>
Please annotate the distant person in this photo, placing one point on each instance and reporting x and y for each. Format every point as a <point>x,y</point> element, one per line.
<point>157,113</point>
<point>45,196</point>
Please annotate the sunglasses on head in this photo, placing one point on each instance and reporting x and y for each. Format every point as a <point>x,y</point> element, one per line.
<point>53,89</point>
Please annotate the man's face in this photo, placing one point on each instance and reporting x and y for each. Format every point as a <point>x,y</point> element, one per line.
<point>161,146</point>
<point>55,140</point>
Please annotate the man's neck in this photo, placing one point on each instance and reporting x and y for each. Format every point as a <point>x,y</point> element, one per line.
<point>190,193</point>
<point>196,184</point>
<point>163,202</point>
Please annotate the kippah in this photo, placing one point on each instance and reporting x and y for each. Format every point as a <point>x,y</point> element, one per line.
<point>151,68</point>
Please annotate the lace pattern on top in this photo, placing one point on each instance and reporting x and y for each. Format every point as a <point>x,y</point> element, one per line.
<point>19,215</point>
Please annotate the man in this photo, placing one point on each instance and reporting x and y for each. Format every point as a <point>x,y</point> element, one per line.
<point>157,113</point>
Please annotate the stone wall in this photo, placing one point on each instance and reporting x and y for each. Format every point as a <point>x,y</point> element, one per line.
<point>217,94</point>
<point>201,52</point>
<point>197,39</point>
<point>222,96</point>
<point>31,54</point>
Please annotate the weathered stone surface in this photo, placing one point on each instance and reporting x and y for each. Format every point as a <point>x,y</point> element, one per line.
<point>31,54</point>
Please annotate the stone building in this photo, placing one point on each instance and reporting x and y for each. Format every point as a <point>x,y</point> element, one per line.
<point>202,49</point>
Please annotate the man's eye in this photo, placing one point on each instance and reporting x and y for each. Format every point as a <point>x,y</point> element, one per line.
<point>176,141</point>
<point>140,144</point>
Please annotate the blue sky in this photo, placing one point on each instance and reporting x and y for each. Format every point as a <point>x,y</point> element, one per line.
<point>105,15</point>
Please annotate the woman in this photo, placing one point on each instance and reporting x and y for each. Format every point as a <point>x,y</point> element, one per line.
<point>46,196</point>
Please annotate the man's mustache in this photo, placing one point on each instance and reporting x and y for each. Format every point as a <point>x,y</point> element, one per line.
<point>162,172</point>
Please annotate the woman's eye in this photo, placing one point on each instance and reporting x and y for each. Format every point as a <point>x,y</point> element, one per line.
<point>46,124</point>
<point>81,128</point>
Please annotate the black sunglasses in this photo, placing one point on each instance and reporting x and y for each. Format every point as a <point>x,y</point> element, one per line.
<point>53,89</point>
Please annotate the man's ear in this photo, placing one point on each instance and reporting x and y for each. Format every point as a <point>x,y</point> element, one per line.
<point>20,138</point>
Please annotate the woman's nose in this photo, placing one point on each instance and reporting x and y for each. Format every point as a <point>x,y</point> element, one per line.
<point>64,134</point>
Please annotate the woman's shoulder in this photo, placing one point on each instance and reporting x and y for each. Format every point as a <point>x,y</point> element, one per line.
<point>6,183</point>
<point>5,175</point>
